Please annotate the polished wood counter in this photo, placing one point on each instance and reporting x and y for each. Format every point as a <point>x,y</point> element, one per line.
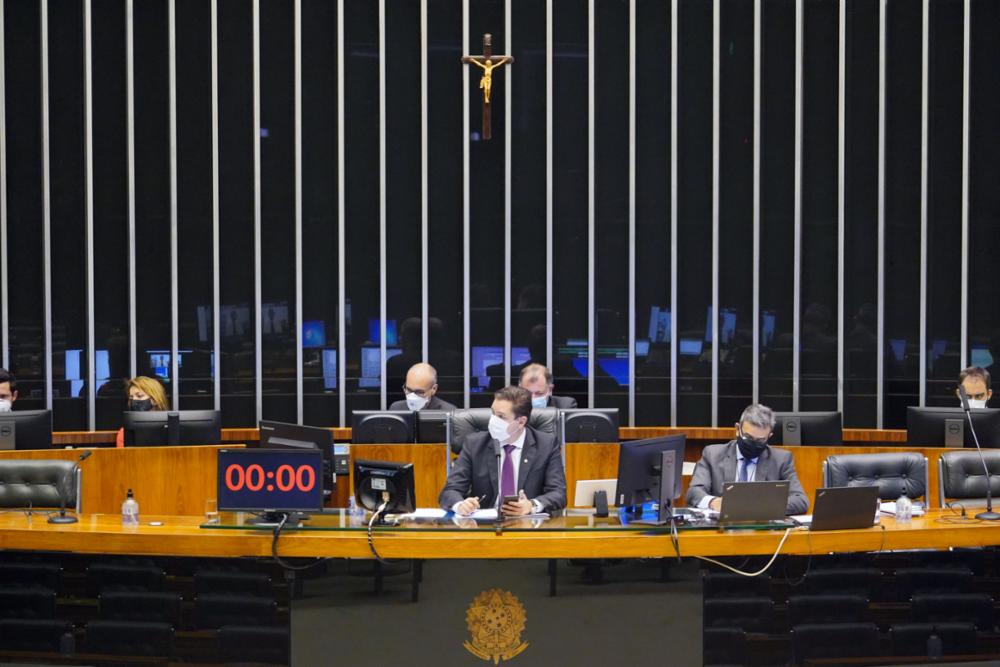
<point>182,536</point>
<point>851,436</point>
<point>165,480</point>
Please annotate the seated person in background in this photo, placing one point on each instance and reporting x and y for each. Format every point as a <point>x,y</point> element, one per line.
<point>144,394</point>
<point>538,380</point>
<point>976,381</point>
<point>421,385</point>
<point>8,390</point>
<point>748,458</point>
<point>529,461</point>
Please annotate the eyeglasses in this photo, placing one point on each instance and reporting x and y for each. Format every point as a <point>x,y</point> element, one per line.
<point>759,441</point>
<point>419,392</point>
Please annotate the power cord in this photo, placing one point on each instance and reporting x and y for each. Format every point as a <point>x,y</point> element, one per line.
<point>788,531</point>
<point>371,522</point>
<point>283,563</point>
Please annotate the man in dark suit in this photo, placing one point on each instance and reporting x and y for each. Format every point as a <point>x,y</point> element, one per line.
<point>420,389</point>
<point>748,458</point>
<point>538,380</point>
<point>512,459</point>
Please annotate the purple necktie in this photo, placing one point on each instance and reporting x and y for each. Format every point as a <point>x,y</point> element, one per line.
<point>507,474</point>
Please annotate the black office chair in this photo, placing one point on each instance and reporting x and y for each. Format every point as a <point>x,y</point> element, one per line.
<point>256,644</point>
<point>751,614</point>
<point>21,634</point>
<point>27,603</point>
<point>140,606</point>
<point>830,608</point>
<point>31,575</point>
<point>894,474</point>
<point>846,581</point>
<point>723,646</point>
<point>911,638</point>
<point>726,585</point>
<point>232,583</point>
<point>976,608</point>
<point>124,577</point>
<point>963,480</point>
<point>473,420</point>
<point>37,483</point>
<point>834,640</point>
<point>918,580</point>
<point>214,610</point>
<point>129,638</point>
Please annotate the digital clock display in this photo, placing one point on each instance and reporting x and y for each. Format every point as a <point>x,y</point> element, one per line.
<point>256,480</point>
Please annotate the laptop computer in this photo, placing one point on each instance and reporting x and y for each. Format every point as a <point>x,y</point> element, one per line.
<point>843,507</point>
<point>753,503</point>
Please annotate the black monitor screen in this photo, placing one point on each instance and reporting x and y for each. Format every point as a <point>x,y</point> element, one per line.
<point>279,435</point>
<point>382,426</point>
<point>376,482</point>
<point>927,426</point>
<point>593,425</point>
<point>639,468</point>
<point>274,480</point>
<point>432,426</point>
<point>808,428</point>
<point>26,429</point>
<point>176,427</point>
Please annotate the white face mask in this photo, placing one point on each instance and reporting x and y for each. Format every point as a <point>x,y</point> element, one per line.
<point>415,403</point>
<point>499,429</point>
<point>979,405</point>
<point>6,405</point>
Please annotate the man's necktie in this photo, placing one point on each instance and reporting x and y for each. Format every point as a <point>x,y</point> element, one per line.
<point>507,474</point>
<point>742,477</point>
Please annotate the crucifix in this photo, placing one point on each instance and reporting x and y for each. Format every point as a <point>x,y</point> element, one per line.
<point>487,62</point>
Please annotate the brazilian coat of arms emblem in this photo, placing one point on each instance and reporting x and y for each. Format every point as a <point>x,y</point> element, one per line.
<point>495,620</point>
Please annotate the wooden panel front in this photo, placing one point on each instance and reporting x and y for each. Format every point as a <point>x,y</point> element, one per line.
<point>165,480</point>
<point>429,466</point>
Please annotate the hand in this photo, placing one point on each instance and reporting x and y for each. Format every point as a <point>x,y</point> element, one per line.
<point>716,504</point>
<point>519,508</point>
<point>467,506</point>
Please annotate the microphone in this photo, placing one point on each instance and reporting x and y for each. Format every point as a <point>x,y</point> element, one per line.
<point>989,514</point>
<point>62,518</point>
<point>498,524</point>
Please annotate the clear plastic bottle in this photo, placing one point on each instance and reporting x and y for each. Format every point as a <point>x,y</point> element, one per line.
<point>904,509</point>
<point>130,510</point>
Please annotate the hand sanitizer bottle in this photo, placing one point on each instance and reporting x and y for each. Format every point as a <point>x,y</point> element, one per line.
<point>130,510</point>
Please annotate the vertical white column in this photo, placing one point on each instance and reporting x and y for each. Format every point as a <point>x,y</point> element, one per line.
<point>216,263</point>
<point>674,37</point>
<point>966,94</point>
<point>880,369</point>
<point>841,194</point>
<point>257,284</point>
<point>424,194</point>
<point>382,286</point>
<point>924,141</point>
<point>508,182</point>
<point>297,29</point>
<point>133,333</point>
<point>591,204</point>
<point>341,222</point>
<point>757,9</point>
<point>716,95</point>
<point>46,205</point>
<point>175,378</point>
<point>549,304</point>
<point>797,259</point>
<point>88,195</point>
<point>4,322</point>
<point>466,250</point>
<point>631,209</point>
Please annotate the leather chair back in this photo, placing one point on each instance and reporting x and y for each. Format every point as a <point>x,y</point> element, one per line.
<point>961,475</point>
<point>894,474</point>
<point>473,420</point>
<point>36,483</point>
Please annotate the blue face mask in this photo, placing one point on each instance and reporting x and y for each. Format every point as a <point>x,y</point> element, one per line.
<point>540,402</point>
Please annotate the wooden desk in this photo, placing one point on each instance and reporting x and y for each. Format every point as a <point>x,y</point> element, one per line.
<point>165,480</point>
<point>181,536</point>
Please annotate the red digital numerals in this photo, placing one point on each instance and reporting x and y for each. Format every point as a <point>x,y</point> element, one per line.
<point>286,478</point>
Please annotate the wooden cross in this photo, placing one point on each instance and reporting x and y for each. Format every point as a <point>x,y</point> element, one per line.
<point>488,62</point>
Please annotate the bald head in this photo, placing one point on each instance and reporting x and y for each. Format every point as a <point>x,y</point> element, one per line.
<point>421,380</point>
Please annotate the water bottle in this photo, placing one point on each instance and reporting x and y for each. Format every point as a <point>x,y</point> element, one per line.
<point>354,512</point>
<point>935,649</point>
<point>904,509</point>
<point>130,510</point>
<point>67,643</point>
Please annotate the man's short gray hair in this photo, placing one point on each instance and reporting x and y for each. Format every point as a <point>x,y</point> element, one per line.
<point>759,415</point>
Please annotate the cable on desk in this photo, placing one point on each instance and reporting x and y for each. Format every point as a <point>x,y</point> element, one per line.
<point>788,531</point>
<point>282,562</point>
<point>371,522</point>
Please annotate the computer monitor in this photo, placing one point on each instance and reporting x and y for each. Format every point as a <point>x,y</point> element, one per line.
<point>378,482</point>
<point>432,426</point>
<point>281,435</point>
<point>640,467</point>
<point>980,356</point>
<point>26,429</point>
<point>659,324</point>
<point>371,365</point>
<point>174,427</point>
<point>948,427</point>
<point>614,362</point>
<point>382,426</point>
<point>274,482</point>
<point>690,347</point>
<point>808,428</point>
<point>590,425</point>
<point>768,319</point>
<point>313,333</point>
<point>375,331</point>
<point>329,369</point>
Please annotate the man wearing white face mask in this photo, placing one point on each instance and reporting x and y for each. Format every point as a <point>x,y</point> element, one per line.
<point>538,380</point>
<point>420,389</point>
<point>511,459</point>
<point>8,390</point>
<point>976,381</point>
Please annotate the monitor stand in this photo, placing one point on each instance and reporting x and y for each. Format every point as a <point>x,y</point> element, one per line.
<point>272,518</point>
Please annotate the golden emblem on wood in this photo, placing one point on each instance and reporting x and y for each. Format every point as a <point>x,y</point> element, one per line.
<point>495,620</point>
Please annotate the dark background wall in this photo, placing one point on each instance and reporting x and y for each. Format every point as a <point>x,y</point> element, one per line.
<point>805,376</point>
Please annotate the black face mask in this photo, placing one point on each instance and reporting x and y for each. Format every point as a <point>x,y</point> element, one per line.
<point>145,405</point>
<point>749,448</point>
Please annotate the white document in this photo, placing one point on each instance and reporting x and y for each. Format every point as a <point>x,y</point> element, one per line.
<point>890,508</point>
<point>425,513</point>
<point>484,514</point>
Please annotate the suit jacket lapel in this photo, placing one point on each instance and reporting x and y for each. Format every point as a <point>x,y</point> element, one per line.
<point>729,465</point>
<point>494,480</point>
<point>528,452</point>
<point>763,472</point>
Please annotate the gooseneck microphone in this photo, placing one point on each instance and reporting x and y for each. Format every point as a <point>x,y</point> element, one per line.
<point>61,517</point>
<point>989,514</point>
